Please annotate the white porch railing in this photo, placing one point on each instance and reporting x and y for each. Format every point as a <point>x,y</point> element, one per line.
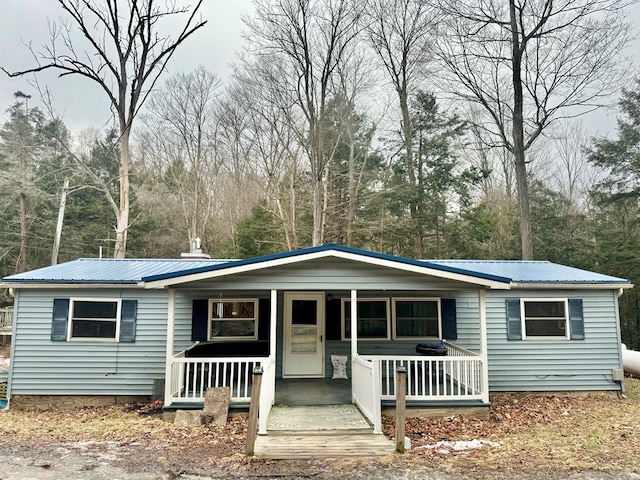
<point>6,318</point>
<point>366,390</point>
<point>457,376</point>
<point>191,376</point>
<point>267,394</point>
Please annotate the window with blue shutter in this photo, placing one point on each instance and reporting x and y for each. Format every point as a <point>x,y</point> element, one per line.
<point>93,319</point>
<point>545,319</point>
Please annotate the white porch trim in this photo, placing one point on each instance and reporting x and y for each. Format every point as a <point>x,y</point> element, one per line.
<point>482,307</point>
<point>222,271</point>
<point>171,322</point>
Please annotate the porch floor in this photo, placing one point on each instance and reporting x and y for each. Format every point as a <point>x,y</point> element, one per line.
<point>317,418</point>
<point>313,391</point>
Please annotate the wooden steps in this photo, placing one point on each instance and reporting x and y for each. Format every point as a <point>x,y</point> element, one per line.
<point>319,432</point>
<point>322,446</point>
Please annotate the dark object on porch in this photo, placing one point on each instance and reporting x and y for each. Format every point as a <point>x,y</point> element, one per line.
<point>433,348</point>
<point>229,349</point>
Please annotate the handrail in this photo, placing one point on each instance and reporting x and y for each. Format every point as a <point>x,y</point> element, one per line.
<point>267,394</point>
<point>366,389</point>
<point>457,350</point>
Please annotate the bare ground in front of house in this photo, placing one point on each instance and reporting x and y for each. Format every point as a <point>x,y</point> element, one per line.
<point>539,436</point>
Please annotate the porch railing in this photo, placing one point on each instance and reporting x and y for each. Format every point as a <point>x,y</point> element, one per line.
<point>6,318</point>
<point>457,376</point>
<point>366,389</point>
<point>267,393</point>
<point>190,377</point>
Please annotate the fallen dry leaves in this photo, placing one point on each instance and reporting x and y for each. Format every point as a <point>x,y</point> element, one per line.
<point>545,433</point>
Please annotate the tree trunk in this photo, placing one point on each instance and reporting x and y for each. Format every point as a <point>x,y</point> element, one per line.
<point>351,214</point>
<point>56,241</point>
<point>518,139</point>
<point>122,221</point>
<point>411,175</point>
<point>294,211</point>
<point>21,264</point>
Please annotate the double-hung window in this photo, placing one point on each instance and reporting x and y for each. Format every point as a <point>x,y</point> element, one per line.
<point>417,318</point>
<point>373,319</point>
<point>544,318</point>
<point>94,319</point>
<point>233,319</point>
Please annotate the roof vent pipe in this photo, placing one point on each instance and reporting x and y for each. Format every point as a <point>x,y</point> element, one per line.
<point>196,251</point>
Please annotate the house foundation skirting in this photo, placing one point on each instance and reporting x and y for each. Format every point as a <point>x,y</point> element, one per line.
<point>64,402</point>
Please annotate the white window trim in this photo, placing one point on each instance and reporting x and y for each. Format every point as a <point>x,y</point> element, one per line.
<point>211,312</point>
<point>567,334</point>
<point>343,301</point>
<point>72,300</point>
<point>416,299</point>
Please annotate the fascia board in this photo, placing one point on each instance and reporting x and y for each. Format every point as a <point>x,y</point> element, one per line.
<point>408,267</point>
<point>570,286</point>
<point>41,285</point>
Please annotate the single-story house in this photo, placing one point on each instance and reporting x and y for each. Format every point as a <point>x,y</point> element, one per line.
<point>462,328</point>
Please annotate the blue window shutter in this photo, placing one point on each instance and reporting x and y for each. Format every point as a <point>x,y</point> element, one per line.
<point>514,325</point>
<point>449,324</point>
<point>128,313</point>
<point>60,319</point>
<point>576,319</point>
<point>199,316</point>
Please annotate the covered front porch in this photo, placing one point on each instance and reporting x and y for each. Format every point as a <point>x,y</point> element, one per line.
<point>457,378</point>
<point>298,315</point>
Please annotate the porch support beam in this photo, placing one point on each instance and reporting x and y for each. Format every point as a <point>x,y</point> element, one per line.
<point>171,322</point>
<point>354,323</point>
<point>272,325</point>
<point>482,307</point>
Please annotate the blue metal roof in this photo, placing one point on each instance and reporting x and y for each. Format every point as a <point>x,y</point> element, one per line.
<point>132,271</point>
<point>531,271</point>
<point>107,270</point>
<point>324,248</point>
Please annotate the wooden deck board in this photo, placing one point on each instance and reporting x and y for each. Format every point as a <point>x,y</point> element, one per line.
<point>322,446</point>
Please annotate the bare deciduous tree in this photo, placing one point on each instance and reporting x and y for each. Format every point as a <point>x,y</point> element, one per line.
<point>400,32</point>
<point>179,141</point>
<point>123,52</point>
<point>527,63</point>
<point>308,39</point>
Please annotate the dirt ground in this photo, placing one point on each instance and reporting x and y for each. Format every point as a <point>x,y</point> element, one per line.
<point>532,437</point>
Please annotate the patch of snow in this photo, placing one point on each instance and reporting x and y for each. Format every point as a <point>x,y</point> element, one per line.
<point>445,447</point>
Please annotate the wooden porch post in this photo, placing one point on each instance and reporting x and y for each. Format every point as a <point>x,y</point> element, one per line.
<point>254,406</point>
<point>171,321</point>
<point>482,306</point>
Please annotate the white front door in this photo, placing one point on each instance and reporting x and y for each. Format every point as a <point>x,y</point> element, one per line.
<point>303,334</point>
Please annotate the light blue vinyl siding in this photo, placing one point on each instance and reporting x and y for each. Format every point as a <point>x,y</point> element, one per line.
<point>43,367</point>
<point>547,365</point>
<point>334,274</point>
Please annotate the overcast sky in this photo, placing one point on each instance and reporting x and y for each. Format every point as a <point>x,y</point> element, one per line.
<point>215,46</point>
<point>81,103</point>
